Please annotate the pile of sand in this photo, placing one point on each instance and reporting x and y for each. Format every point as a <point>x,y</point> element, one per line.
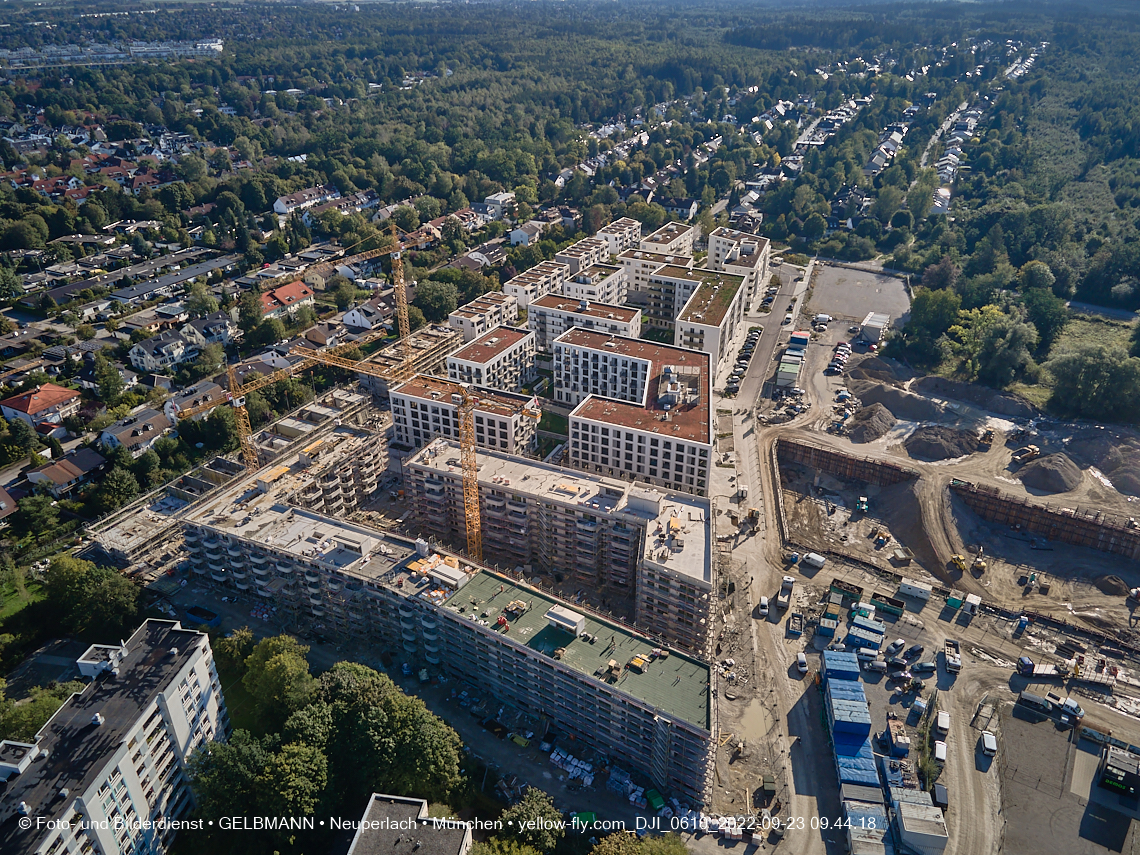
<point>1053,473</point>
<point>1112,585</point>
<point>936,442</point>
<point>902,404</point>
<point>1117,456</point>
<point>870,423</point>
<point>972,393</point>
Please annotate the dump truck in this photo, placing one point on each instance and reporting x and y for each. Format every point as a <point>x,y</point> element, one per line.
<point>861,505</point>
<point>1024,455</point>
<point>987,439</point>
<point>953,651</point>
<point>784,598</point>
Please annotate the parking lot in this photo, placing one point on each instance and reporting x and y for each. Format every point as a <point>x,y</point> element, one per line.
<point>850,294</point>
<point>1047,806</point>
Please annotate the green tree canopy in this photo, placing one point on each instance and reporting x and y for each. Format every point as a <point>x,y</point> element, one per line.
<point>436,299</point>
<point>537,820</point>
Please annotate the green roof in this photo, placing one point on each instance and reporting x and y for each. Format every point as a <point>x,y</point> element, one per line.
<point>676,685</point>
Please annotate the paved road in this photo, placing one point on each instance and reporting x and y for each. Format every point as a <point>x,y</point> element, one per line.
<point>1115,314</point>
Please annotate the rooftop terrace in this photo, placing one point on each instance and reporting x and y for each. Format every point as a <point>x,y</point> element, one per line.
<point>712,299</point>
<point>673,683</point>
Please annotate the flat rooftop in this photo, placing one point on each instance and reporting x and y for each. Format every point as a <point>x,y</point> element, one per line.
<point>491,345</point>
<point>675,684</point>
<point>77,750</point>
<point>383,830</point>
<point>595,273</point>
<point>712,299</point>
<point>686,417</point>
<point>602,311</point>
<point>657,509</point>
<point>667,233</point>
<point>649,256</point>
<point>583,247</point>
<point>493,401</point>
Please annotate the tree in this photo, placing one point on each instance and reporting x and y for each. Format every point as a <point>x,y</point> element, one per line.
<point>117,488</point>
<point>233,649</point>
<point>84,597</point>
<point>250,310</point>
<point>538,821</point>
<point>814,227</point>
<point>35,515</point>
<point>225,774</point>
<point>933,312</point>
<point>108,380</point>
<point>344,292</point>
<point>1047,312</point>
<point>277,676</point>
<point>1096,380</point>
<point>416,318</point>
<point>201,301</point>
<point>889,200</point>
<point>210,359</point>
<point>944,274</point>
<point>22,436</point>
<point>268,332</point>
<point>1005,351</point>
<point>20,722</point>
<point>85,332</point>
<point>618,844</point>
<point>503,846</point>
<point>406,217</point>
<point>9,283</point>
<point>436,299</point>
<point>304,317</point>
<point>1035,274</point>
<point>295,778</point>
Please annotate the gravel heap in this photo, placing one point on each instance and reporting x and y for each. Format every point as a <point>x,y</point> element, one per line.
<point>937,442</point>
<point>870,423</point>
<point>1053,473</point>
<point>902,404</point>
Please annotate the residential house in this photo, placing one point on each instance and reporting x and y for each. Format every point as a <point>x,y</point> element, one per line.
<point>286,299</point>
<point>62,476</point>
<point>47,404</point>
<point>686,209</point>
<point>136,433</point>
<point>163,351</point>
<point>503,359</point>
<point>526,234</point>
<point>216,328</point>
<point>306,198</point>
<point>500,205</point>
<point>368,316</point>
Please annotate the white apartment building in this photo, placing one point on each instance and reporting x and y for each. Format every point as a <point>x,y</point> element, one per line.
<point>672,239</point>
<point>641,409</point>
<point>483,314</point>
<point>542,279</point>
<point>585,253</point>
<point>712,315</point>
<point>427,407</point>
<point>600,283</point>
<point>114,757</point>
<point>501,359</point>
<point>620,235</point>
<point>639,266</point>
<point>162,352</point>
<point>741,254</point>
<point>500,204</point>
<point>553,315</point>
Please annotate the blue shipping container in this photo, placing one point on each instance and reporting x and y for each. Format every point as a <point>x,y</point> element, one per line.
<point>871,625</point>
<point>859,637</point>
<point>851,746</point>
<point>846,690</point>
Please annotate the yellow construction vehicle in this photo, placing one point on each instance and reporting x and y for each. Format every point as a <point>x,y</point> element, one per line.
<point>979,565</point>
<point>958,561</point>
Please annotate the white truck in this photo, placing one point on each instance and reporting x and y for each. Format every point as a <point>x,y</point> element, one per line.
<point>953,652</point>
<point>784,598</point>
<point>814,559</point>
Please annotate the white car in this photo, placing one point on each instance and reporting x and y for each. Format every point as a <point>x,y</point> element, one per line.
<point>801,663</point>
<point>762,609</point>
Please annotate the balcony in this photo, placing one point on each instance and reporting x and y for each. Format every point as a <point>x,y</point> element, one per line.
<point>284,569</point>
<point>262,592</point>
<point>262,572</point>
<point>191,536</point>
<point>258,558</point>
<point>242,586</point>
<point>408,635</point>
<point>233,550</point>
<point>311,576</point>
<point>410,646</point>
<point>219,575</point>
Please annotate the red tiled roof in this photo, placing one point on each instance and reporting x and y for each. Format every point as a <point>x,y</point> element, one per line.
<point>38,400</point>
<point>286,295</point>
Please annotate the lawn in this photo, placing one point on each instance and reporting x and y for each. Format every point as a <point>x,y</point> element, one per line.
<point>13,600</point>
<point>239,702</point>
<point>554,423</point>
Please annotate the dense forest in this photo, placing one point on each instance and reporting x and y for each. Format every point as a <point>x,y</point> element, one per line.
<point>435,107</point>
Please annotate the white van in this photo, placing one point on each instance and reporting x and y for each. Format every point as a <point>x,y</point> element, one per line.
<point>878,665</point>
<point>943,723</point>
<point>866,654</point>
<point>989,743</point>
<point>940,751</point>
<point>814,559</point>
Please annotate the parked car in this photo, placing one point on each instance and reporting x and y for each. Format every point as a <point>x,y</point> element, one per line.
<point>762,609</point>
<point>914,651</point>
<point>897,662</point>
<point>924,667</point>
<point>895,646</point>
<point>801,663</point>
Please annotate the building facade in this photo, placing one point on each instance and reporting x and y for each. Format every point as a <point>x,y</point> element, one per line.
<point>641,409</point>
<point>117,753</point>
<point>585,253</point>
<point>620,235</point>
<point>501,359</point>
<point>426,407</point>
<point>46,404</point>
<point>544,278</point>
<point>552,315</point>
<point>599,283</point>
<point>712,316</point>
<point>742,254</point>
<point>672,239</point>
<point>494,309</point>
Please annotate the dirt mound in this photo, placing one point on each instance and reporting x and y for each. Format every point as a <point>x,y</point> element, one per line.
<point>870,423</point>
<point>1053,473</point>
<point>935,442</point>
<point>1117,456</point>
<point>902,404</point>
<point>1112,585</point>
<point>1005,405</point>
